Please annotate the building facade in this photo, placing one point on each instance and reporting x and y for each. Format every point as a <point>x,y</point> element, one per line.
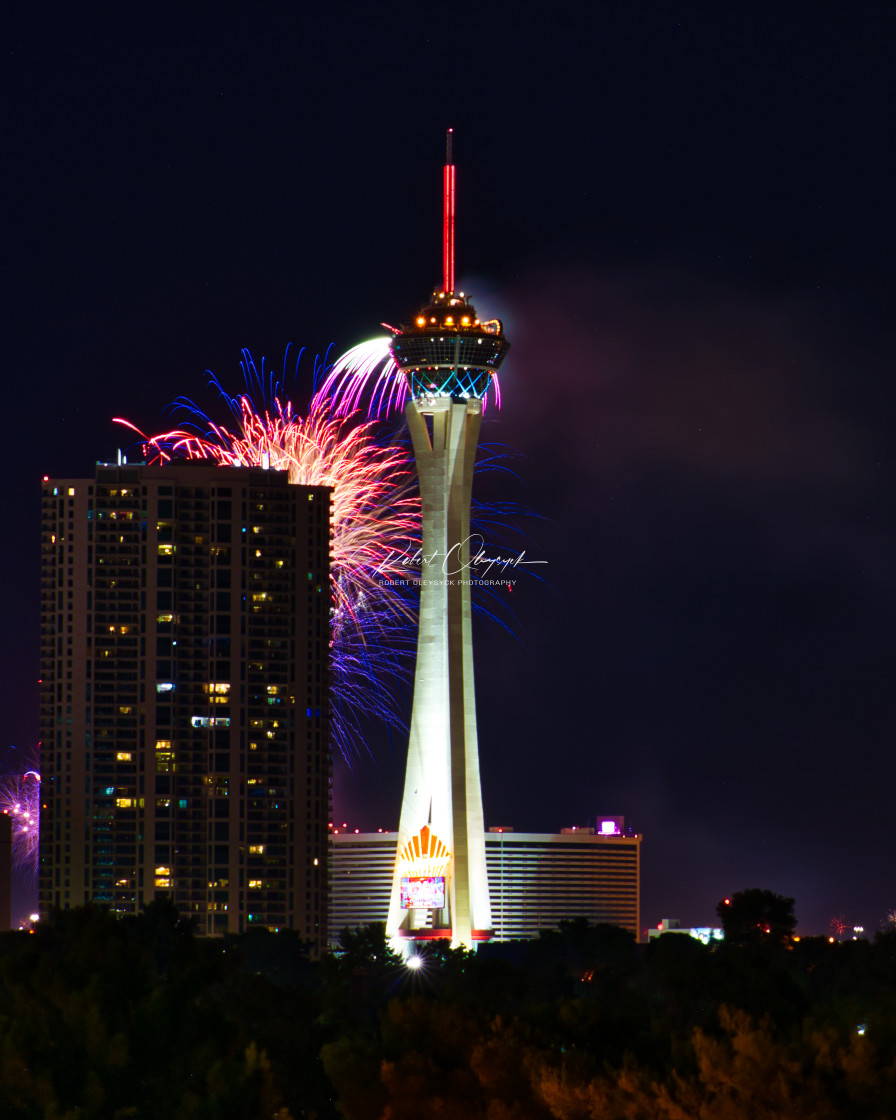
<point>536,880</point>
<point>184,695</point>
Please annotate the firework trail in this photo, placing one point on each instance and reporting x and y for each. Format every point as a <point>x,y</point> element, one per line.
<point>366,379</point>
<point>20,801</point>
<point>368,371</point>
<point>375,527</point>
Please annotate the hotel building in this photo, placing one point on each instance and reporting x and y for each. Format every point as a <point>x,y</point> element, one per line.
<point>535,880</point>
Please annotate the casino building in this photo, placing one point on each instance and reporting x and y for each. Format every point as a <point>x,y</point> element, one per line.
<point>535,880</point>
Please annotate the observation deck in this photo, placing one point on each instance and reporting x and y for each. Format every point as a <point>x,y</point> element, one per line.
<point>447,351</point>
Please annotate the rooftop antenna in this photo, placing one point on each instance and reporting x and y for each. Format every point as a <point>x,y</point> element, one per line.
<point>448,216</point>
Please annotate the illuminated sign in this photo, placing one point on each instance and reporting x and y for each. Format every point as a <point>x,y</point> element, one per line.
<point>423,892</point>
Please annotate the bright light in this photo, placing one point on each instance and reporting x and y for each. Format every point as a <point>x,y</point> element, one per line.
<point>414,963</point>
<point>34,917</point>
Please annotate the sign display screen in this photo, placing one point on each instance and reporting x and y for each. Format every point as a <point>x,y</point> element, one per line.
<point>423,892</point>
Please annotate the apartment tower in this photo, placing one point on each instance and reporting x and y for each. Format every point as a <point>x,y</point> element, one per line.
<point>184,695</point>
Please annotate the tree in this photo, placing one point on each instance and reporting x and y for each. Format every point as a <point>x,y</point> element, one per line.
<point>757,917</point>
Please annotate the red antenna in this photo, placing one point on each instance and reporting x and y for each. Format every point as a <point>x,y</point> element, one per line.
<point>448,218</point>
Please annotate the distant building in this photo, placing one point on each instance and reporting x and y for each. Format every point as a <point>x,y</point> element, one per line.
<point>535,880</point>
<point>184,695</point>
<point>706,934</point>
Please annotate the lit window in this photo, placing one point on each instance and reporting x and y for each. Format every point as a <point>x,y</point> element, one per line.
<point>164,686</point>
<point>124,802</point>
<point>256,849</point>
<point>123,756</point>
<point>254,884</point>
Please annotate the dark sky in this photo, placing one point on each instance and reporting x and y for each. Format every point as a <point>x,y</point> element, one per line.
<point>683,215</point>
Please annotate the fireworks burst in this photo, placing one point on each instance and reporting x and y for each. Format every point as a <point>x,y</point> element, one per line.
<point>375,526</point>
<point>839,925</point>
<point>20,801</point>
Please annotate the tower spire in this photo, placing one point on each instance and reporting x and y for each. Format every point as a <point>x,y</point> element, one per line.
<point>448,216</point>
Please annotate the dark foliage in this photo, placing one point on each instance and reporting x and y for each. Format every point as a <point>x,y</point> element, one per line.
<point>139,1018</point>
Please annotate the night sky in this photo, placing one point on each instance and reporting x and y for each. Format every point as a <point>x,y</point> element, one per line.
<point>683,214</point>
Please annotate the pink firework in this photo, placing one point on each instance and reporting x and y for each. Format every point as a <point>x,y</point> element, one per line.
<point>20,801</point>
<point>368,373</point>
<point>839,925</point>
<point>375,529</point>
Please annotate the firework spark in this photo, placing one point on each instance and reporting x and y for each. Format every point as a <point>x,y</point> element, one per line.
<point>20,801</point>
<point>375,527</point>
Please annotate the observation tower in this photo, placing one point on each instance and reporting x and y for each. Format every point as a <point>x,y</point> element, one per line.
<point>448,356</point>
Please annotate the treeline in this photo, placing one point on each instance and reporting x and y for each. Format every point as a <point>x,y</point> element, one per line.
<point>107,1018</point>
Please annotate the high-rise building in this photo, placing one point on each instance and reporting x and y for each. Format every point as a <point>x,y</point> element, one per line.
<point>535,880</point>
<point>184,695</point>
<point>448,357</point>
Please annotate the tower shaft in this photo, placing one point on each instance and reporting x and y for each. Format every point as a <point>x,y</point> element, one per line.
<point>442,788</point>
